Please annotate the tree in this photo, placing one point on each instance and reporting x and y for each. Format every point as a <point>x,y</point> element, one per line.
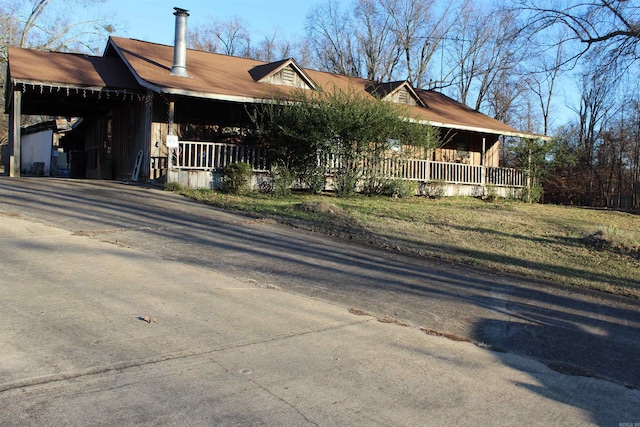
<point>45,25</point>
<point>418,33</point>
<point>484,50</point>
<point>228,37</point>
<point>611,25</point>
<point>381,40</point>
<point>332,41</point>
<point>542,79</point>
<point>377,43</point>
<point>340,128</point>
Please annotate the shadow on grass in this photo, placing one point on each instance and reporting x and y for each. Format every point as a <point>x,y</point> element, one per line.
<point>340,225</point>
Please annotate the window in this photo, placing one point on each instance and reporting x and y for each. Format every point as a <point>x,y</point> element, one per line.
<point>462,147</point>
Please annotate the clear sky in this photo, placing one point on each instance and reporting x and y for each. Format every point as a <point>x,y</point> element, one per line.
<point>153,20</point>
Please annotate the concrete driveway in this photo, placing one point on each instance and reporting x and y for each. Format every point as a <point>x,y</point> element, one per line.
<point>127,305</point>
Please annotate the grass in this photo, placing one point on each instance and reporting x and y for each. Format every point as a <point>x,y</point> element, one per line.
<point>590,248</point>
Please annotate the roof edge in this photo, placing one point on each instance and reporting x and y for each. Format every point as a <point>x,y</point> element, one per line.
<point>486,130</point>
<point>142,82</point>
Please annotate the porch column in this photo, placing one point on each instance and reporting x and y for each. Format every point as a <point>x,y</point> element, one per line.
<point>147,140</point>
<point>483,160</point>
<point>172,113</point>
<point>15,110</point>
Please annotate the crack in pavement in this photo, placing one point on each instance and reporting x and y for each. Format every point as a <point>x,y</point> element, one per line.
<point>97,370</point>
<point>263,388</point>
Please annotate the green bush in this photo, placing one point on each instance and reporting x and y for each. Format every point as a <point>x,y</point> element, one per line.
<point>173,186</point>
<point>433,189</point>
<point>282,180</point>
<point>314,178</point>
<point>346,182</point>
<point>400,188</point>
<point>237,177</point>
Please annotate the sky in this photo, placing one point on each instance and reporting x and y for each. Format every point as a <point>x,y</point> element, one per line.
<point>153,20</point>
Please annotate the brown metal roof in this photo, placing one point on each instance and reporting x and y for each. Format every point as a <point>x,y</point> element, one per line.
<point>214,76</point>
<point>68,69</point>
<point>226,77</point>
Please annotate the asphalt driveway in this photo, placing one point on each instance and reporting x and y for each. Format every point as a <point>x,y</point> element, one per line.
<point>585,336</point>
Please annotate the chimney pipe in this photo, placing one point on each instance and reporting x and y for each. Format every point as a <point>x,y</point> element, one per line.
<point>180,44</point>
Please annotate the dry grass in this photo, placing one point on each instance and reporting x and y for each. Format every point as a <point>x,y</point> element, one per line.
<point>592,248</point>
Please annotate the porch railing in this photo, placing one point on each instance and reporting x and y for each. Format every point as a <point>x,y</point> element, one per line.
<point>216,156</point>
<point>213,156</point>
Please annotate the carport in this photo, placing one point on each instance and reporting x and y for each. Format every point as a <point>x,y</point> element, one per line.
<point>99,89</point>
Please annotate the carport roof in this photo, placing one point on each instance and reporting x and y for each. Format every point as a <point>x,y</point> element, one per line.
<point>68,70</point>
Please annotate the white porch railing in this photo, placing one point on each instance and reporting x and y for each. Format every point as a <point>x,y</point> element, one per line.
<point>211,156</point>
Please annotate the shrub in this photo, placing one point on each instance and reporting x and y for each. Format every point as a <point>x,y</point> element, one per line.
<point>376,186</point>
<point>346,182</point>
<point>400,188</point>
<point>433,189</point>
<point>282,180</point>
<point>237,177</point>
<point>173,186</point>
<point>314,178</point>
<point>492,194</point>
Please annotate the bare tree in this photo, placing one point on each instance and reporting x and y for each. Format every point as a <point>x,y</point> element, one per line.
<point>203,38</point>
<point>377,43</point>
<point>502,99</point>
<point>613,25</point>
<point>272,47</point>
<point>485,51</point>
<point>229,37</point>
<point>332,40</point>
<point>542,79</point>
<point>381,39</point>
<point>419,31</point>
<point>45,25</point>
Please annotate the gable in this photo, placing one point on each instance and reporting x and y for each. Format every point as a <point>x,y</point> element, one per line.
<point>397,92</point>
<point>283,73</point>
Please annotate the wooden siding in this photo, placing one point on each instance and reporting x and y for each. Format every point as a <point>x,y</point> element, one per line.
<point>130,135</point>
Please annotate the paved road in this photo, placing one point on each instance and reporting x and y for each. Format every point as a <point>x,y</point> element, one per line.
<point>577,332</point>
<point>92,333</point>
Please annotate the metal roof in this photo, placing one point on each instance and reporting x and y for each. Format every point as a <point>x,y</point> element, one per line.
<point>134,64</point>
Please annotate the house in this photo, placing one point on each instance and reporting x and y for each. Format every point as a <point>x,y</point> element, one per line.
<point>41,151</point>
<point>153,112</point>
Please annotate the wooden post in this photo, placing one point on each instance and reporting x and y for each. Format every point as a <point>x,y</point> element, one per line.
<point>483,163</point>
<point>147,138</point>
<point>15,110</point>
<point>172,109</point>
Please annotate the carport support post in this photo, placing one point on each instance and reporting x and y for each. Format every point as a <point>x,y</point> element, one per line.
<point>14,134</point>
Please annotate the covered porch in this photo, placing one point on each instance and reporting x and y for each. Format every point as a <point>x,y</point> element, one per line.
<point>196,164</point>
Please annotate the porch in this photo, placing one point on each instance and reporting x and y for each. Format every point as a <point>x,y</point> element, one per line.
<point>200,165</point>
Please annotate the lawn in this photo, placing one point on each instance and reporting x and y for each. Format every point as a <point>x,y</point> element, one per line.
<point>591,248</point>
